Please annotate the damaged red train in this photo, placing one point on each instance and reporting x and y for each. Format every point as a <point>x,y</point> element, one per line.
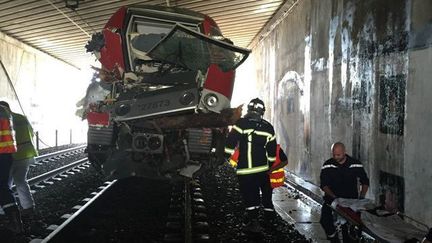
<point>163,100</point>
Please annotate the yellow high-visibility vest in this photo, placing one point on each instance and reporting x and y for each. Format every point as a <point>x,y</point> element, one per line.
<point>24,138</point>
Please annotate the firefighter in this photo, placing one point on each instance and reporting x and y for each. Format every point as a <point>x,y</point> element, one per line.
<point>22,159</point>
<point>255,139</point>
<point>7,148</point>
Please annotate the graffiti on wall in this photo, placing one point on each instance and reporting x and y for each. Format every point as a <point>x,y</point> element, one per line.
<point>290,125</point>
<point>391,192</point>
<point>288,90</point>
<point>392,104</point>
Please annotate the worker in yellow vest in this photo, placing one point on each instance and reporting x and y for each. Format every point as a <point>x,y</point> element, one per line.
<point>7,148</point>
<point>24,156</point>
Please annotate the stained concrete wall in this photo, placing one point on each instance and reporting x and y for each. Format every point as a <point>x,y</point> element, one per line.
<point>417,145</point>
<point>47,89</point>
<point>356,71</point>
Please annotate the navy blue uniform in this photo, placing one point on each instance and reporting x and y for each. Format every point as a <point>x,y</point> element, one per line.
<point>256,142</point>
<point>342,179</point>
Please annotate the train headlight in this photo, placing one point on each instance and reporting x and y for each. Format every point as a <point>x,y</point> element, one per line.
<point>211,100</point>
<point>140,142</point>
<point>187,98</point>
<point>154,143</point>
<point>122,109</point>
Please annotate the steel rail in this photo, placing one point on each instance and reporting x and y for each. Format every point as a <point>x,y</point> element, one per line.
<point>74,215</point>
<point>187,212</point>
<point>55,172</point>
<point>46,156</point>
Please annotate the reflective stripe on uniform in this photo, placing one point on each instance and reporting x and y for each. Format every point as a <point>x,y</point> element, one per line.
<point>271,159</point>
<point>229,151</point>
<point>7,136</point>
<point>265,134</point>
<point>356,165</point>
<point>252,208</point>
<point>277,180</point>
<point>233,163</point>
<point>7,148</point>
<point>5,144</point>
<point>249,132</point>
<point>260,133</point>
<point>8,205</point>
<point>254,170</point>
<point>278,170</point>
<point>238,129</point>
<point>246,131</point>
<point>249,151</point>
<point>5,132</point>
<point>269,209</point>
<point>328,166</point>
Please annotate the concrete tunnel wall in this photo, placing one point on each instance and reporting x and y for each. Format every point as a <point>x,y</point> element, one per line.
<point>357,72</point>
<point>47,88</point>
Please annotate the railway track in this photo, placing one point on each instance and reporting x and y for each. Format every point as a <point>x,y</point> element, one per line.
<point>58,180</point>
<point>58,154</point>
<point>157,211</point>
<point>50,161</point>
<point>61,170</point>
<point>187,223</point>
<point>76,205</point>
<point>59,173</point>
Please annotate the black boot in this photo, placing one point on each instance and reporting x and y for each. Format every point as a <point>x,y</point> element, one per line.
<point>253,227</point>
<point>15,224</point>
<point>28,212</point>
<point>252,224</point>
<point>270,219</point>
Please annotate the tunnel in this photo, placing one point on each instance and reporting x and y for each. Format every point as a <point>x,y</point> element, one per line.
<point>350,71</point>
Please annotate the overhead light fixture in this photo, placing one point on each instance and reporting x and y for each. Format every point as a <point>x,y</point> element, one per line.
<point>72,4</point>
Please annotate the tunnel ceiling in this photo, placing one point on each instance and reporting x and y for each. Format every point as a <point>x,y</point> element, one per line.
<point>48,25</point>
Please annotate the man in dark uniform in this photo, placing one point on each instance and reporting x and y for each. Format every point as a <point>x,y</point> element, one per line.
<point>256,142</point>
<point>339,177</point>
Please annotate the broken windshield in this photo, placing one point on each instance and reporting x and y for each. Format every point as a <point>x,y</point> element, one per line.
<point>195,51</point>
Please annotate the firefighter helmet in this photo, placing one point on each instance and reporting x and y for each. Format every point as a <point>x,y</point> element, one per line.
<point>256,106</point>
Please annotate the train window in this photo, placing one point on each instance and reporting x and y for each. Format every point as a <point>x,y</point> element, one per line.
<point>195,51</point>
<point>148,35</point>
<point>142,35</point>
